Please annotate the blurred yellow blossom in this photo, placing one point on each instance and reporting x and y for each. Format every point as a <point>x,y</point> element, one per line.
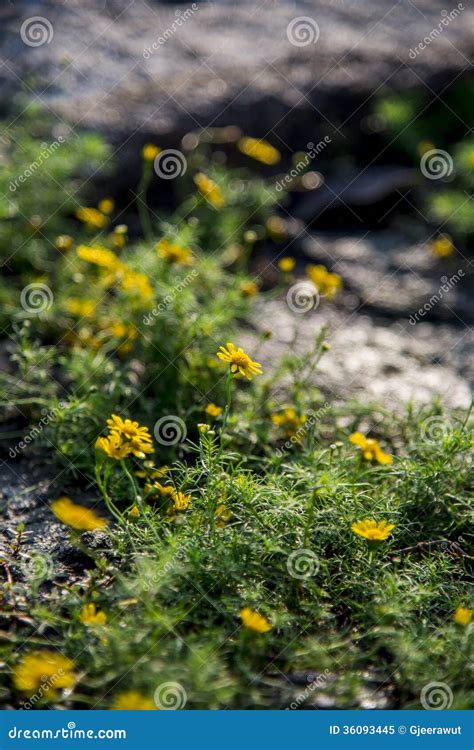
<point>76,516</point>
<point>92,218</point>
<point>254,621</point>
<point>327,283</point>
<point>442,246</point>
<point>209,190</point>
<point>276,228</point>
<point>150,151</point>
<point>289,421</point>
<point>132,700</point>
<point>80,308</point>
<point>370,448</point>
<point>90,615</point>
<point>99,256</point>
<point>213,410</point>
<point>463,616</point>
<point>286,265</point>
<point>106,205</point>
<point>45,672</point>
<point>259,150</point>
<point>174,253</point>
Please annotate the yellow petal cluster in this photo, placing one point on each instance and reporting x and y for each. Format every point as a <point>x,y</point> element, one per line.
<point>77,516</point>
<point>44,672</point>
<point>132,700</point>
<point>173,253</point>
<point>327,283</point>
<point>209,190</point>
<point>463,616</point>
<point>370,448</point>
<point>239,361</point>
<point>125,438</point>
<point>90,615</point>
<point>289,421</point>
<point>373,531</point>
<point>254,621</point>
<point>259,150</point>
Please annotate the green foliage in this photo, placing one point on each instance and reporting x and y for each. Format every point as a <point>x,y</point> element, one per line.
<point>268,523</point>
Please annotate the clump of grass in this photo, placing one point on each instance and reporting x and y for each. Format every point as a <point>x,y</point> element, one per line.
<point>244,527</point>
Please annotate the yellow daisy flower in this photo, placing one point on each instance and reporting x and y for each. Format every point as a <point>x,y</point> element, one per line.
<point>91,616</point>
<point>44,671</point>
<point>259,150</point>
<point>239,361</point>
<point>132,700</point>
<point>209,190</point>
<point>76,516</point>
<point>150,151</point>
<point>113,447</point>
<point>370,448</point>
<point>327,284</point>
<point>443,246</point>
<point>373,531</point>
<point>289,420</point>
<point>92,218</point>
<point>174,253</point>
<point>463,616</point>
<point>99,256</point>
<point>248,289</point>
<point>106,205</point>
<point>286,265</point>
<point>254,621</point>
<point>213,410</point>
<point>138,438</point>
<point>181,501</point>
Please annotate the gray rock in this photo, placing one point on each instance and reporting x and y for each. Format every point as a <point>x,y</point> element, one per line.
<point>389,362</point>
<point>160,69</point>
<point>388,275</point>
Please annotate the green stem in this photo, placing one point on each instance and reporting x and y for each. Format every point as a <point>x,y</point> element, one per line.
<point>228,393</point>
<point>102,485</point>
